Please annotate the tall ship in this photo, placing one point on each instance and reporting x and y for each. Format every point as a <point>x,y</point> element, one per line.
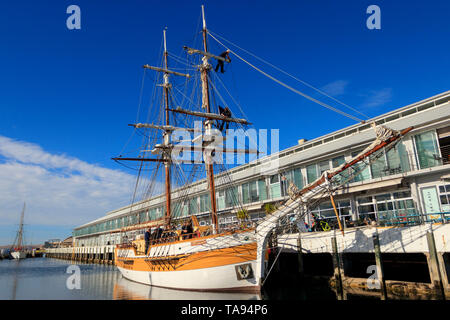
<point>180,253</point>
<point>18,251</point>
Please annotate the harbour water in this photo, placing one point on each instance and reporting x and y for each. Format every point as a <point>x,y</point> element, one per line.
<point>51,279</point>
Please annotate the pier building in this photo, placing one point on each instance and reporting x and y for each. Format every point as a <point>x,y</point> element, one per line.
<point>409,185</point>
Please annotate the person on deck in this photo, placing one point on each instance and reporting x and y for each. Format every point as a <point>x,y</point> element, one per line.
<point>184,230</point>
<point>159,232</point>
<point>190,230</point>
<point>147,239</point>
<point>187,230</point>
<point>226,56</point>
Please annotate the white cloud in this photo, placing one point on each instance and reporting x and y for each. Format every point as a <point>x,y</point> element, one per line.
<point>58,189</point>
<point>335,88</point>
<point>376,98</point>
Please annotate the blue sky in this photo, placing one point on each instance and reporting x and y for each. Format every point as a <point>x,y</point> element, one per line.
<point>66,96</point>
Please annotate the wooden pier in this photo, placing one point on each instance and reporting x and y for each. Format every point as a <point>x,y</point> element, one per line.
<point>95,254</point>
<point>384,261</point>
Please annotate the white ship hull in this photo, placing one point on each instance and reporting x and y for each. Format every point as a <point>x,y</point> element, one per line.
<point>19,254</point>
<point>216,263</point>
<point>221,278</point>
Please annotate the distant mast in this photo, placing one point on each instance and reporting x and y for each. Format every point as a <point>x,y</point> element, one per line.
<point>208,125</point>
<point>20,232</point>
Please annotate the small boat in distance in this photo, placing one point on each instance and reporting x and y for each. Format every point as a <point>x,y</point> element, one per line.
<point>17,250</point>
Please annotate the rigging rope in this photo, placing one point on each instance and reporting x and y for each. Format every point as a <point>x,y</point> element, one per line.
<point>293,77</point>
<point>289,87</point>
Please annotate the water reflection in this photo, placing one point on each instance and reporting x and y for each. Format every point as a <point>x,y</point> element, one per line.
<point>128,290</point>
<point>43,278</point>
<point>15,274</point>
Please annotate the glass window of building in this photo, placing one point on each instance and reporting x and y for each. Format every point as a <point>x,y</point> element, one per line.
<point>152,213</point>
<point>245,193</point>
<point>231,197</point>
<point>291,176</point>
<point>444,196</point>
<point>362,170</point>
<point>176,208</point>
<point>220,198</point>
<point>336,162</point>
<point>295,176</point>
<point>193,206</point>
<point>143,216</point>
<point>389,208</point>
<point>184,208</point>
<point>444,143</point>
<point>427,150</point>
<point>366,208</point>
<point>262,189</point>
<point>311,173</point>
<point>324,166</point>
<point>250,192</point>
<point>398,159</point>
<point>205,203</point>
<point>392,162</point>
<point>378,166</point>
<point>275,187</point>
<point>325,210</point>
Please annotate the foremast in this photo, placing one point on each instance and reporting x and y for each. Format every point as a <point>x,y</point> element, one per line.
<point>167,128</point>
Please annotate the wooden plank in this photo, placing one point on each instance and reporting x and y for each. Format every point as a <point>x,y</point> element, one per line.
<point>213,116</point>
<point>165,71</point>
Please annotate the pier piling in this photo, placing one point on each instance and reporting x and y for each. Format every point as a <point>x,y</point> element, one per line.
<point>337,268</point>
<point>301,268</point>
<point>433,265</point>
<point>379,263</point>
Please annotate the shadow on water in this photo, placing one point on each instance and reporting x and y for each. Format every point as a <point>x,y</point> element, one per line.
<point>295,288</point>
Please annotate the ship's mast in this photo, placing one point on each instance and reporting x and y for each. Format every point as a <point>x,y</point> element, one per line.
<point>20,232</point>
<point>208,125</point>
<point>166,127</point>
<point>166,133</point>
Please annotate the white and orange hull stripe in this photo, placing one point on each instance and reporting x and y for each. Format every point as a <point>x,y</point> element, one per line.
<point>216,263</point>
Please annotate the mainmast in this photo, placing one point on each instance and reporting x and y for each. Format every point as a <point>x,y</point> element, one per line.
<point>166,86</point>
<point>205,67</point>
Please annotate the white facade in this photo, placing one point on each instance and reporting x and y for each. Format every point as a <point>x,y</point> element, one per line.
<point>411,183</point>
